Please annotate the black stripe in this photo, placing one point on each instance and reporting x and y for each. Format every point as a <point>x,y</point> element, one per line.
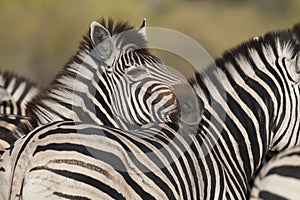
<point>106,157</point>
<point>286,171</point>
<point>16,86</point>
<point>93,91</point>
<point>152,156</point>
<point>85,117</point>
<point>7,135</point>
<point>146,95</point>
<point>27,140</point>
<point>25,92</point>
<point>142,167</point>
<point>84,179</point>
<point>68,196</point>
<point>285,88</point>
<point>232,188</point>
<point>268,195</point>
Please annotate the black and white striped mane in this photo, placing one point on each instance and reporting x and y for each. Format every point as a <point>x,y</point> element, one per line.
<point>278,40</point>
<point>9,84</point>
<point>15,92</point>
<point>285,42</point>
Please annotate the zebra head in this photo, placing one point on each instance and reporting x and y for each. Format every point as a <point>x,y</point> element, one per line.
<point>113,80</point>
<point>141,88</point>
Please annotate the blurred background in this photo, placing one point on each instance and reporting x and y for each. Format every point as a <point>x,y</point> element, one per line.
<point>38,37</point>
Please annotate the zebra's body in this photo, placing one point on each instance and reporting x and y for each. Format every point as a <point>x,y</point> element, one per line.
<point>256,112</point>
<point>15,92</point>
<point>8,125</point>
<point>280,177</point>
<point>112,80</point>
<point>88,161</point>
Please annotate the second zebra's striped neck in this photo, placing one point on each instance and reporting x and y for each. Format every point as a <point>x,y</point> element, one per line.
<point>251,102</point>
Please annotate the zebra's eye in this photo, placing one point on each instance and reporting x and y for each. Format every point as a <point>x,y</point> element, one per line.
<point>136,73</point>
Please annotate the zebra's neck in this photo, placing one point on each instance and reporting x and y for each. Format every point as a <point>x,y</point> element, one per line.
<point>244,104</point>
<point>77,93</point>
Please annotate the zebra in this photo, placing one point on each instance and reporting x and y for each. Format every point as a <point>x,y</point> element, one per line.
<point>89,161</point>
<point>251,99</point>
<point>279,178</point>
<point>15,92</point>
<point>113,80</point>
<point>256,85</point>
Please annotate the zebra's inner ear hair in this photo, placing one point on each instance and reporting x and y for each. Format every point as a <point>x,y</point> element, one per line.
<point>101,40</point>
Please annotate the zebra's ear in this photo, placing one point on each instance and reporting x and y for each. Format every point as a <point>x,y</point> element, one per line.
<point>142,29</point>
<point>101,40</point>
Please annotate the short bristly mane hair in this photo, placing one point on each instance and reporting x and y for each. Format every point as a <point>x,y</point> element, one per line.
<point>7,76</point>
<point>284,38</point>
<point>290,37</point>
<point>277,40</point>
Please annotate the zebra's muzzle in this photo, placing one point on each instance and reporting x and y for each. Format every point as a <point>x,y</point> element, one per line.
<point>190,106</point>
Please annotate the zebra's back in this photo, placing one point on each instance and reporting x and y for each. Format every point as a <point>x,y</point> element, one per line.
<point>280,177</point>
<point>87,161</point>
